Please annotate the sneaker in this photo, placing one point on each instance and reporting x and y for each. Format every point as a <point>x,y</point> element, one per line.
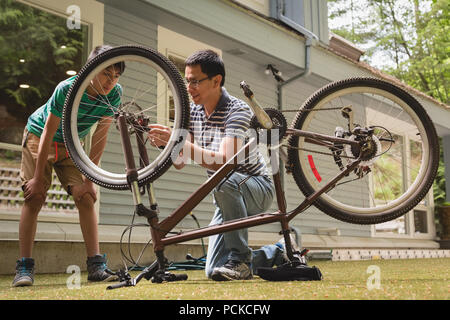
<point>232,270</point>
<point>98,270</point>
<point>24,273</point>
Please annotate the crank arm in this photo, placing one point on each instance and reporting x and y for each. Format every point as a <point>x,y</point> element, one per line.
<point>259,112</point>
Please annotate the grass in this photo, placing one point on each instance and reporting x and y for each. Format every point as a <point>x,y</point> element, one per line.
<point>416,279</point>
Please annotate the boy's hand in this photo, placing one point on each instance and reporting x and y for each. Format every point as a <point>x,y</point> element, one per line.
<point>34,187</point>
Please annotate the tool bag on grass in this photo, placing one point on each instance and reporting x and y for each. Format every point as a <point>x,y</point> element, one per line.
<point>291,271</point>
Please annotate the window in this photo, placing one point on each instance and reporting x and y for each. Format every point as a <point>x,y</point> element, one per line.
<point>37,51</point>
<point>39,47</point>
<point>408,152</point>
<point>179,63</point>
<point>420,221</point>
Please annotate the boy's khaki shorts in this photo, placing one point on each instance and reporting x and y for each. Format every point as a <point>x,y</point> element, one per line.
<point>58,159</point>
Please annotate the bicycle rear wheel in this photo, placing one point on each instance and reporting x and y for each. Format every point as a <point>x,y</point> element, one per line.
<point>399,164</point>
<point>151,91</point>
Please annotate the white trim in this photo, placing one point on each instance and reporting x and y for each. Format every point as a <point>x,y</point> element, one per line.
<point>12,147</point>
<point>327,241</point>
<point>45,215</point>
<point>261,6</point>
<point>374,254</point>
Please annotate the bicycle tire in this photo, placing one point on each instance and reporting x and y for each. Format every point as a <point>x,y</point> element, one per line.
<point>412,114</point>
<point>147,67</point>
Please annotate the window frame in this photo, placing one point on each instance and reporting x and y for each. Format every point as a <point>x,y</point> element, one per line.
<point>92,15</point>
<point>426,205</point>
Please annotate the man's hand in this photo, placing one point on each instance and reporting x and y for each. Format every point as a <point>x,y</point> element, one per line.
<point>34,187</point>
<point>159,135</point>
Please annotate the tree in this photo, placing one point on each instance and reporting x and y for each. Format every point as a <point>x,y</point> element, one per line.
<point>412,37</point>
<point>32,53</point>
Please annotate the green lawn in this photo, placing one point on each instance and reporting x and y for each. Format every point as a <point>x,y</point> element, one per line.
<point>420,279</point>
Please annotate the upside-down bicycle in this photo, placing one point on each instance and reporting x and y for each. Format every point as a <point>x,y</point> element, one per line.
<point>362,150</point>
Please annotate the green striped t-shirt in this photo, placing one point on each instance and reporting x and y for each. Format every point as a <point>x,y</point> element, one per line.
<point>90,111</point>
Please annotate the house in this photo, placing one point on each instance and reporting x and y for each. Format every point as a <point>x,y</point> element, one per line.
<point>250,35</point>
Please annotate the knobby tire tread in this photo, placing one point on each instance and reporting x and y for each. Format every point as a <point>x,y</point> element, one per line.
<point>180,90</point>
<point>351,217</point>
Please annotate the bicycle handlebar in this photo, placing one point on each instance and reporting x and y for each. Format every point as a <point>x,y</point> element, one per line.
<point>126,283</point>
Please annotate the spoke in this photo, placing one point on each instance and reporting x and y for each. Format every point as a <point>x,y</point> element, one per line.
<point>381,186</point>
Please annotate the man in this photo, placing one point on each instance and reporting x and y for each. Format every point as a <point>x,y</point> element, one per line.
<point>44,150</point>
<point>219,123</point>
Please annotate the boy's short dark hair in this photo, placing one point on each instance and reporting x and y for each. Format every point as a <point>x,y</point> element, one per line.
<point>102,48</point>
<point>210,62</point>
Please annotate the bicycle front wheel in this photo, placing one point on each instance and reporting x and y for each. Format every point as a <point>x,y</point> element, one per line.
<point>399,161</point>
<point>151,91</point>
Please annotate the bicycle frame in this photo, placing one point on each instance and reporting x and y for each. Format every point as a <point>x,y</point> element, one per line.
<point>280,216</point>
<point>159,230</point>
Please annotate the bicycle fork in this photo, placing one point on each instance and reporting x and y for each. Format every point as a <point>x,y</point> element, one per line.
<point>132,177</point>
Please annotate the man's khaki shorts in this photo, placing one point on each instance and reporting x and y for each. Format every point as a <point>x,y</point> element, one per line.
<point>58,159</point>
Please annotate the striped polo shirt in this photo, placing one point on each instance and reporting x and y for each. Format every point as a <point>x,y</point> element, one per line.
<point>231,118</point>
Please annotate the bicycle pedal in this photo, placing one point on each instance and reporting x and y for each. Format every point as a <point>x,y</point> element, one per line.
<point>123,275</point>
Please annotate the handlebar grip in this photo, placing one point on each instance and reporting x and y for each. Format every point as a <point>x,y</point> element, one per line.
<point>246,88</point>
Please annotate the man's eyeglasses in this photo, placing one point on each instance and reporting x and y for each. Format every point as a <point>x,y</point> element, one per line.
<point>195,83</point>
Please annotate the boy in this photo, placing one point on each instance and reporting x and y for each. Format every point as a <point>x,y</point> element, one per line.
<point>44,150</point>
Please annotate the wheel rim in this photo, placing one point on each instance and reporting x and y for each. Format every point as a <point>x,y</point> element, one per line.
<point>341,197</point>
<point>111,177</point>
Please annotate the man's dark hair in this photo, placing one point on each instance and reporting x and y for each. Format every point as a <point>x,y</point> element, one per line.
<point>210,63</point>
<point>102,48</point>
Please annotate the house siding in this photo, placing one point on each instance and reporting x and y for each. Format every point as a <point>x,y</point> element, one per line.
<point>121,28</point>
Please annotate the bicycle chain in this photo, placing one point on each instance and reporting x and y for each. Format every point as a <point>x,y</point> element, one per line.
<point>297,110</point>
<point>318,152</point>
